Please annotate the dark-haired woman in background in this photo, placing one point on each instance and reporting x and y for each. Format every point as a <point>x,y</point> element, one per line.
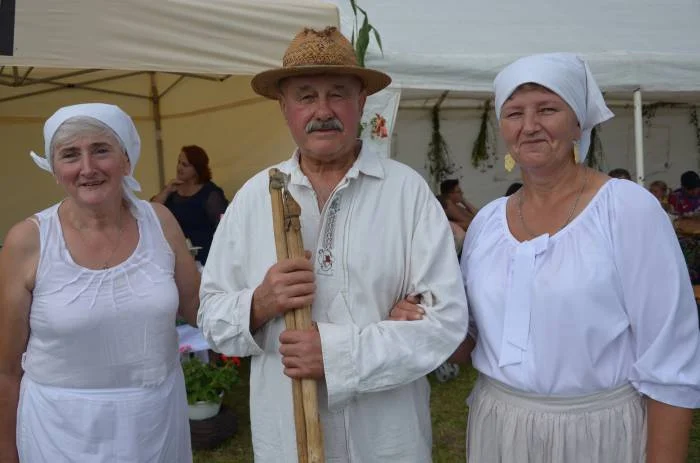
<point>196,202</point>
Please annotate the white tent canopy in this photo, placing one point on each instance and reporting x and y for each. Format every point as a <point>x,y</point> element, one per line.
<point>181,69</point>
<point>204,36</point>
<point>460,45</point>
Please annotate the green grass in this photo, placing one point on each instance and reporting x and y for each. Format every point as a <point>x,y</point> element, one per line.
<point>449,417</point>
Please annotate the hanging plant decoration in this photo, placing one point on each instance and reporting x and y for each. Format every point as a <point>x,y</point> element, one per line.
<point>649,113</point>
<point>696,126</point>
<point>595,157</point>
<point>439,164</point>
<point>483,152</point>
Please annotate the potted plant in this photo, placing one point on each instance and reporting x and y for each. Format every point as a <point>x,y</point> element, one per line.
<point>206,383</point>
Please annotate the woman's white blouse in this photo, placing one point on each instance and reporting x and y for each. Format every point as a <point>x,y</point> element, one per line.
<point>606,300</point>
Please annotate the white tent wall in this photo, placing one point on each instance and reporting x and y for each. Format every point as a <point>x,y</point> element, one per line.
<point>670,144</point>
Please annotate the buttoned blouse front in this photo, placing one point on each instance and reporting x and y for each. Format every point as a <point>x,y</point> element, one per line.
<point>604,301</point>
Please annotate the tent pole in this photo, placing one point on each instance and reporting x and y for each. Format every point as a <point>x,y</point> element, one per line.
<point>639,136</point>
<point>155,105</point>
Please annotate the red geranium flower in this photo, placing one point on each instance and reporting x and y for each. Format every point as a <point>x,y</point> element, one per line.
<point>235,360</point>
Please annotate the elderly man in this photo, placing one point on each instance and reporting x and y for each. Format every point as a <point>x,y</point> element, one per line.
<point>376,234</point>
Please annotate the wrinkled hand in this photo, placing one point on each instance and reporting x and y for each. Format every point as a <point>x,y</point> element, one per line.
<point>407,309</point>
<point>289,284</point>
<point>302,355</point>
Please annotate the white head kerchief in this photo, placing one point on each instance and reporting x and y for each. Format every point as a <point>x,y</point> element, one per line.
<point>110,115</point>
<point>565,74</point>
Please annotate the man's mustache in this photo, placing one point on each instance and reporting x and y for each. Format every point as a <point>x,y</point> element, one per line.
<point>330,124</point>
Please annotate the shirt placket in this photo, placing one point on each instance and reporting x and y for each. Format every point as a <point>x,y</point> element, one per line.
<point>330,266</point>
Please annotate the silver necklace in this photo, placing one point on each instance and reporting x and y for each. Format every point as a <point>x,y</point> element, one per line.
<point>571,212</point>
<point>106,265</point>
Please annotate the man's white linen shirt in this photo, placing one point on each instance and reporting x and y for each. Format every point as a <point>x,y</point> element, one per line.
<point>605,301</point>
<point>381,236</point>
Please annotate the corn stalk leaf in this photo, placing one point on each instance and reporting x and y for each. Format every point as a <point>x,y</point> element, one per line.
<point>362,41</point>
<point>378,39</point>
<point>361,37</point>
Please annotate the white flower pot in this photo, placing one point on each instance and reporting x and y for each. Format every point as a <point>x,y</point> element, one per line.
<point>203,410</point>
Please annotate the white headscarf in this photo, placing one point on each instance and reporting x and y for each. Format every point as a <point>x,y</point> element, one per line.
<point>114,118</point>
<point>565,74</point>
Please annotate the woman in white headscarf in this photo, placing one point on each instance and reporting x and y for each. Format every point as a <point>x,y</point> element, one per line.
<point>89,292</point>
<point>587,347</point>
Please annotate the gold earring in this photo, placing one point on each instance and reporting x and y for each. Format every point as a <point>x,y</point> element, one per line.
<point>577,154</point>
<point>509,162</point>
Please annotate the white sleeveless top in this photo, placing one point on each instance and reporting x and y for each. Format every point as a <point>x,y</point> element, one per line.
<point>112,328</point>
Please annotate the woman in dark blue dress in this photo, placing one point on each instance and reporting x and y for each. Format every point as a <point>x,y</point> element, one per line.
<point>196,202</point>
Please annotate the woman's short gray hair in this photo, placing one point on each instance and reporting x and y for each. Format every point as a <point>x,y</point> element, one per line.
<point>79,126</point>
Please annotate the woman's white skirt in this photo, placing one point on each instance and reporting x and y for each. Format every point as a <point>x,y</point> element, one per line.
<point>135,425</point>
<point>510,426</point>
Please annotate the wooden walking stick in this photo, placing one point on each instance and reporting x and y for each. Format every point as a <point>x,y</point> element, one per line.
<point>288,242</point>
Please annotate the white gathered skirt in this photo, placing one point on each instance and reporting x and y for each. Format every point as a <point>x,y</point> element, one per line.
<point>510,426</point>
<point>134,425</point>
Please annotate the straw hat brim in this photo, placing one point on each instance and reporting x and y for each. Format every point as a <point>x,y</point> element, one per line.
<point>266,83</point>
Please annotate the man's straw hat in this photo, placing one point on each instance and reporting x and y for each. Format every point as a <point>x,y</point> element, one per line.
<point>314,52</point>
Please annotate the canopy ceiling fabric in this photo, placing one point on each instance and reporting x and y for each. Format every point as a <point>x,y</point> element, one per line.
<point>202,36</point>
<point>460,45</point>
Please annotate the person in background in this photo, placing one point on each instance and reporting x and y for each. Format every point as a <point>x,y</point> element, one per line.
<point>659,189</point>
<point>514,187</point>
<point>194,199</point>
<point>458,209</point>
<point>457,231</point>
<point>586,328</point>
<point>620,173</point>
<point>89,292</point>
<point>685,201</point>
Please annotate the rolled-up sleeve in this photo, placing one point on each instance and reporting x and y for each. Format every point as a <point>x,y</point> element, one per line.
<point>226,292</point>
<point>659,300</point>
<point>389,354</point>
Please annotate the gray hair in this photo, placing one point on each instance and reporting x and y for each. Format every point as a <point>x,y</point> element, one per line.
<point>80,126</point>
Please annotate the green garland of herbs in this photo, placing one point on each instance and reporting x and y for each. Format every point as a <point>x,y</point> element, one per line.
<point>693,119</point>
<point>439,164</point>
<point>595,157</point>
<point>649,112</point>
<point>483,151</point>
